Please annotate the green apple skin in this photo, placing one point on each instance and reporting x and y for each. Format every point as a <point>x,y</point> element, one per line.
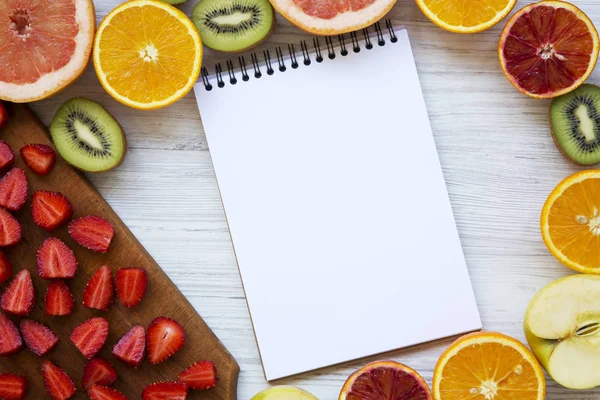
<point>562,327</point>
<point>174,1</point>
<point>283,393</point>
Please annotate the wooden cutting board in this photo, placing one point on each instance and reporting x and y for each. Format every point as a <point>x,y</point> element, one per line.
<point>162,297</point>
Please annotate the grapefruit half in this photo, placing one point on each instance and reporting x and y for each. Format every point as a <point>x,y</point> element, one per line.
<point>548,49</point>
<point>44,46</point>
<point>332,17</point>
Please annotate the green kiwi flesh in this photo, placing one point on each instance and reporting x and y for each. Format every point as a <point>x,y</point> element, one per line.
<point>575,120</point>
<point>87,136</point>
<point>233,25</point>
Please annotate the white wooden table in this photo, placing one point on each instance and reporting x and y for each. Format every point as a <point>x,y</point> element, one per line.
<point>497,155</point>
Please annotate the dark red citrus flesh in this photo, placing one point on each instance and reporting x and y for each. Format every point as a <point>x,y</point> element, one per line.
<point>328,9</point>
<point>387,384</point>
<point>36,38</point>
<point>548,49</point>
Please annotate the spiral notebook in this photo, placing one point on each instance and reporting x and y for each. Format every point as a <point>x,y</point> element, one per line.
<point>335,199</point>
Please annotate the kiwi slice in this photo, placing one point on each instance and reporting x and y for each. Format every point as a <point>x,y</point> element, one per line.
<point>575,120</point>
<point>87,136</point>
<point>233,25</point>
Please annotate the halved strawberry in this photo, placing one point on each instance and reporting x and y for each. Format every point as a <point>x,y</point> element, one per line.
<point>98,371</point>
<point>56,260</point>
<point>5,268</point>
<point>90,336</point>
<point>92,232</point>
<point>7,157</point>
<point>10,339</point>
<point>13,189</point>
<point>165,337</point>
<point>99,291</point>
<point>165,391</point>
<point>131,285</point>
<point>99,392</point>
<point>201,375</point>
<point>58,299</point>
<point>38,337</point>
<point>50,209</point>
<point>19,296</point>
<point>131,347</point>
<point>12,386</point>
<point>59,385</point>
<point>38,157</point>
<point>10,229</point>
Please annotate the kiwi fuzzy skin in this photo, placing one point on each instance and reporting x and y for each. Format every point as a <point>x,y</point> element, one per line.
<point>555,140</point>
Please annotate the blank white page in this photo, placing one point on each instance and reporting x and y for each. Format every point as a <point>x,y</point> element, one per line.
<point>338,209</point>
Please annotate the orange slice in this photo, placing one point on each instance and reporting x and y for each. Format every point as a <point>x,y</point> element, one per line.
<point>385,380</point>
<point>488,366</point>
<point>147,54</point>
<point>44,46</point>
<point>326,17</point>
<point>466,16</point>
<point>548,48</point>
<point>571,222</point>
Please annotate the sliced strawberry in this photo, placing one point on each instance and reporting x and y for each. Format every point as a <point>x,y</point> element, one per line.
<point>12,386</point>
<point>92,232</point>
<point>56,260</point>
<point>38,337</point>
<point>19,296</point>
<point>131,285</point>
<point>5,268</point>
<point>13,189</point>
<point>98,371</point>
<point>99,392</point>
<point>50,209</point>
<point>131,347</point>
<point>165,337</point>
<point>201,375</point>
<point>3,115</point>
<point>7,157</point>
<point>10,339</point>
<point>10,229</point>
<point>165,391</point>
<point>59,385</point>
<point>58,299</point>
<point>90,336</point>
<point>38,157</point>
<point>100,290</point>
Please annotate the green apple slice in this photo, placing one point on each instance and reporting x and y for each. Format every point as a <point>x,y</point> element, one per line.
<point>562,326</point>
<point>283,393</point>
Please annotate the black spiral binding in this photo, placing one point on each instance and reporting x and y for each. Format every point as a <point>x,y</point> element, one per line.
<point>343,43</point>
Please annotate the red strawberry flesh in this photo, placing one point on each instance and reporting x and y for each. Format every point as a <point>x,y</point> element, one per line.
<point>92,232</point>
<point>7,157</point>
<point>98,371</point>
<point>10,229</point>
<point>56,260</point>
<point>58,384</point>
<point>12,386</point>
<point>38,337</point>
<point>13,189</point>
<point>19,296</point>
<point>39,158</point>
<point>58,299</point>
<point>99,392</point>
<point>131,285</point>
<point>90,336</point>
<point>3,115</point>
<point>10,338</point>
<point>50,209</point>
<point>99,291</point>
<point>201,375</point>
<point>131,347</point>
<point>165,391</point>
<point>165,337</point>
<point>5,268</point>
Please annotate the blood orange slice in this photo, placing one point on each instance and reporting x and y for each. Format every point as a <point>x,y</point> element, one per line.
<point>548,49</point>
<point>327,17</point>
<point>44,46</point>
<point>385,380</point>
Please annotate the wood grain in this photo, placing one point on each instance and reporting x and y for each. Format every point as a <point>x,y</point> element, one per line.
<point>162,297</point>
<point>496,151</point>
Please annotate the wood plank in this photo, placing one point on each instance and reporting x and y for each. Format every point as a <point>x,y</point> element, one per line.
<point>162,296</point>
